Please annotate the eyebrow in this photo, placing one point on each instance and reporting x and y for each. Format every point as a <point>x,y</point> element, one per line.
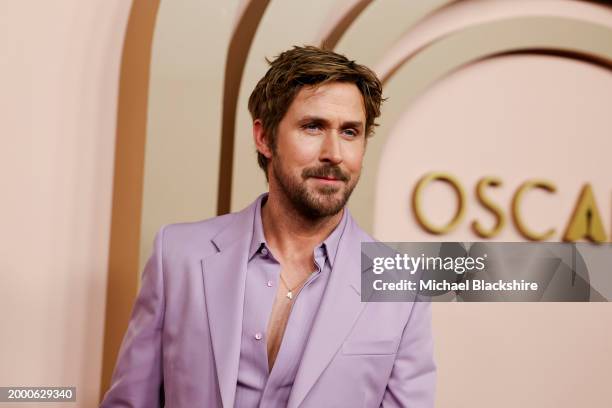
<point>316,119</point>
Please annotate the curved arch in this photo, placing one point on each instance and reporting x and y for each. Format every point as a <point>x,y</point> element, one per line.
<point>245,27</point>
<point>458,16</point>
<point>128,179</point>
<point>340,22</point>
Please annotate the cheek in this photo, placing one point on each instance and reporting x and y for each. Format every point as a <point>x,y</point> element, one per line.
<point>302,152</point>
<point>353,157</point>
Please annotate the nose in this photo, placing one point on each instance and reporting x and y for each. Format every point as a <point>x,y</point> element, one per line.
<point>330,149</point>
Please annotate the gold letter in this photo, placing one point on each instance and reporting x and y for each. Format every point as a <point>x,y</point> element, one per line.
<point>586,221</point>
<point>491,206</point>
<point>528,185</point>
<point>417,206</point>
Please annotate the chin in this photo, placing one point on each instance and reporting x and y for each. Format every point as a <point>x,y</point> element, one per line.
<point>328,204</point>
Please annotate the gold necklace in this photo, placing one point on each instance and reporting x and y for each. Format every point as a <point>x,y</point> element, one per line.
<point>290,292</point>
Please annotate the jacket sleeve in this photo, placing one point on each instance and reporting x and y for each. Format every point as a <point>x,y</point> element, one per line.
<point>412,382</point>
<point>137,379</point>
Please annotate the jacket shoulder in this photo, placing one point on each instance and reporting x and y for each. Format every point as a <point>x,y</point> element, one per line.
<point>206,228</point>
<point>193,237</point>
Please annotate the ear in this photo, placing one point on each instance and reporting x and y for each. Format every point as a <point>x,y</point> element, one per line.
<point>261,139</point>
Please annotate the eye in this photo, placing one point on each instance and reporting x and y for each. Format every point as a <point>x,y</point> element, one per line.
<point>351,132</point>
<point>312,127</point>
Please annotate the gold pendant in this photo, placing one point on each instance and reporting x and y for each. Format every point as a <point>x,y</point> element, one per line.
<point>290,295</point>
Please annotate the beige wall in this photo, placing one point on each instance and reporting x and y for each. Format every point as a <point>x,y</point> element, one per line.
<point>184,119</point>
<point>59,79</point>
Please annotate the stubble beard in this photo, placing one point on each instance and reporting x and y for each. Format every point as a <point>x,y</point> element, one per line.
<point>318,202</point>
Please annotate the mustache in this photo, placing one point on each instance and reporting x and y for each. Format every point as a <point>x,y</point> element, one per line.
<point>326,171</point>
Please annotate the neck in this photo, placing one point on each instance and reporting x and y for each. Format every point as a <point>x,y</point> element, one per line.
<point>289,233</point>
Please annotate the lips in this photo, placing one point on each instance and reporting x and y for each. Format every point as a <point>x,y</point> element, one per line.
<point>327,180</point>
<point>326,174</point>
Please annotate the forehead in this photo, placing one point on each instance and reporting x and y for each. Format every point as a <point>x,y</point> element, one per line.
<point>334,100</point>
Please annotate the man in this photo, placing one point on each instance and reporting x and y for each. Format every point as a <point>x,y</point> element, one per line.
<point>262,307</point>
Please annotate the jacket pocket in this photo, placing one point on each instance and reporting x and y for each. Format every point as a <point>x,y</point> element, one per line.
<point>375,347</point>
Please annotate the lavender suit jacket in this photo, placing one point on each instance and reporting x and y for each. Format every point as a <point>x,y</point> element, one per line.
<point>182,345</point>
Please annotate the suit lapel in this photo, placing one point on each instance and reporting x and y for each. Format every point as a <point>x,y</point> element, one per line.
<point>340,307</point>
<point>224,275</point>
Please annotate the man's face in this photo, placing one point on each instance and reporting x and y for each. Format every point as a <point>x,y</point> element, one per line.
<point>320,143</point>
